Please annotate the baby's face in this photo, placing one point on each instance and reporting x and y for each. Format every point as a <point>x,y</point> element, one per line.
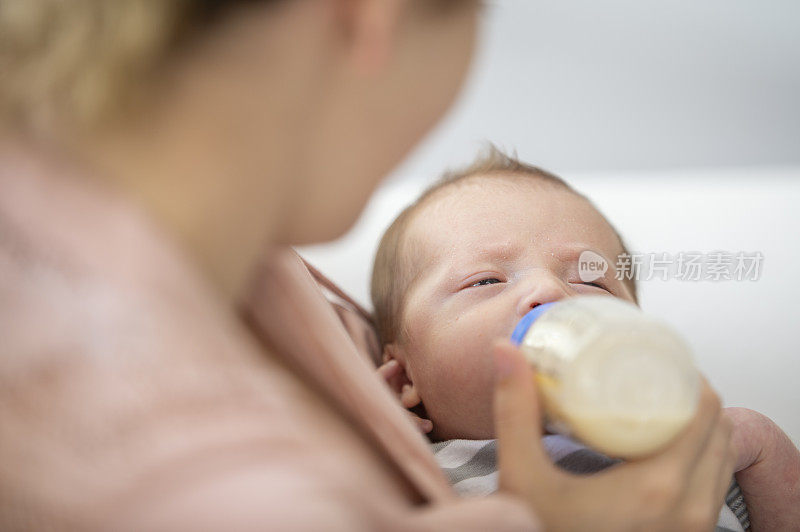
<point>488,250</point>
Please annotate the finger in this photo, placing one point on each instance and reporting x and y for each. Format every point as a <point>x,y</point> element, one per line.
<point>713,472</point>
<point>716,463</point>
<point>409,396</point>
<point>389,369</point>
<point>689,446</point>
<point>424,425</point>
<point>728,465</point>
<point>517,420</point>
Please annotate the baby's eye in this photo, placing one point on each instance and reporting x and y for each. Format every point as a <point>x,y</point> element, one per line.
<point>484,282</point>
<point>597,285</point>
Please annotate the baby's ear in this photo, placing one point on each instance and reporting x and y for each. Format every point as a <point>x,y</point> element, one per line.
<point>395,375</point>
<point>393,352</point>
<point>393,369</point>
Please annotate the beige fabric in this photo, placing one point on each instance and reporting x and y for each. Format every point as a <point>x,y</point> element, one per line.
<point>296,320</point>
<point>131,398</point>
<point>356,320</point>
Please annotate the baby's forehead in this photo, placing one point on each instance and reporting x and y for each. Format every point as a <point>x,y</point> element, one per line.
<point>485,208</point>
<point>476,201</point>
<point>489,182</point>
<point>500,186</point>
<point>452,202</point>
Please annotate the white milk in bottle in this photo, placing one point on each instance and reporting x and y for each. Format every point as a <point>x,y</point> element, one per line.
<point>611,376</point>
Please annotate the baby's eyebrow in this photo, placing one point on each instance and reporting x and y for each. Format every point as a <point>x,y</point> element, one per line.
<point>572,252</point>
<point>501,251</point>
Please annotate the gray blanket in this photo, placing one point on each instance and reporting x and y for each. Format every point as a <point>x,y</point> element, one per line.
<point>471,466</point>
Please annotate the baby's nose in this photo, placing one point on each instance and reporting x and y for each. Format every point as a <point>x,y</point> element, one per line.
<point>543,290</point>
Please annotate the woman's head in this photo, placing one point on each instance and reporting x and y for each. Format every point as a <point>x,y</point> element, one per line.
<point>338,90</point>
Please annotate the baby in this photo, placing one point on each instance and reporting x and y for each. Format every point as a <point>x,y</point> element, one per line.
<point>456,271</point>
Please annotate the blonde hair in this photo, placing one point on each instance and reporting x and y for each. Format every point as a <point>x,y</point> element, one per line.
<point>392,272</point>
<point>75,61</point>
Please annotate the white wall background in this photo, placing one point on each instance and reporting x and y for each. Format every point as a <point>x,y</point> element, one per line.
<point>681,120</point>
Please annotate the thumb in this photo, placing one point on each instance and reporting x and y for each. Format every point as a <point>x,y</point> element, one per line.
<point>522,460</point>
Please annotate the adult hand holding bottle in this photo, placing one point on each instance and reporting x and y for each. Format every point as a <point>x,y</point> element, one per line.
<point>680,488</point>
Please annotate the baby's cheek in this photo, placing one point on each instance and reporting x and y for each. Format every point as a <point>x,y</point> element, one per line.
<point>453,371</point>
<point>461,402</point>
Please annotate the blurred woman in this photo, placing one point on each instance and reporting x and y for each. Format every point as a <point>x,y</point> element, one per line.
<point>153,151</point>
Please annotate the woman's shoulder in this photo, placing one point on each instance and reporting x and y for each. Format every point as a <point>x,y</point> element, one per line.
<point>82,270</point>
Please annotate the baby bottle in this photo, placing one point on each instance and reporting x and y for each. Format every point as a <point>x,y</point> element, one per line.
<point>618,380</point>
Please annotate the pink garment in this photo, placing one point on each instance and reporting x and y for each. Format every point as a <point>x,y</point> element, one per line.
<point>356,320</point>
<point>131,398</point>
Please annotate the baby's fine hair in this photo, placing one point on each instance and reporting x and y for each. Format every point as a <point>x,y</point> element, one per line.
<point>392,273</point>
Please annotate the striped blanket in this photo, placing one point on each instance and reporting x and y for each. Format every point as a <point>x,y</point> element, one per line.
<point>471,466</point>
